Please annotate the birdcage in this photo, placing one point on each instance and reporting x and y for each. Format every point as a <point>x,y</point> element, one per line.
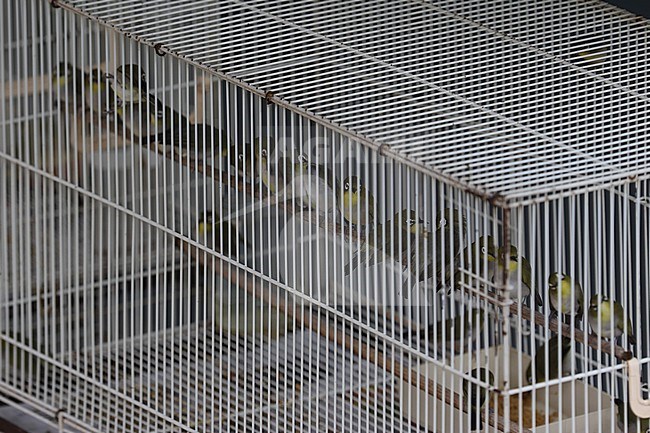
<point>252,215</point>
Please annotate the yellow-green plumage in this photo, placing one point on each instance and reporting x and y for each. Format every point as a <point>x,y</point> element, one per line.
<point>222,236</point>
<point>357,204</point>
<point>519,273</point>
<point>561,290</point>
<point>264,149</point>
<point>440,248</point>
<point>405,225</point>
<point>600,306</point>
<point>479,259</point>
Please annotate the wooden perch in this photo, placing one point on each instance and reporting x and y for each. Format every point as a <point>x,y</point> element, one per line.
<point>314,322</point>
<point>556,326</point>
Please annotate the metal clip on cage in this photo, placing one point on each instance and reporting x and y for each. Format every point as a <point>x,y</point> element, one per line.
<point>639,406</point>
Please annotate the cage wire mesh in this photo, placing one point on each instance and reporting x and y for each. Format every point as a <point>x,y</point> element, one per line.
<point>256,215</point>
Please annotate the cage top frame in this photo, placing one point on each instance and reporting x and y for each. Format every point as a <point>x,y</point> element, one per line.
<point>521,114</point>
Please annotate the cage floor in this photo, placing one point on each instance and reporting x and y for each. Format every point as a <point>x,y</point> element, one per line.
<point>208,380</point>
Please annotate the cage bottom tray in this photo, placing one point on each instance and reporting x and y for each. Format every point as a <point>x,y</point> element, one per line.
<point>300,382</point>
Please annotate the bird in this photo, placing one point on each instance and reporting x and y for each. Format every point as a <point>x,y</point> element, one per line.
<point>561,290</point>
<point>476,396</point>
<point>357,204</point>
<point>558,346</point>
<point>450,230</point>
<point>315,186</point>
<point>98,94</point>
<point>130,84</point>
<point>195,140</point>
<point>218,234</point>
<point>263,150</point>
<point>153,122</point>
<point>405,225</point>
<point>243,160</point>
<point>479,259</point>
<point>67,85</point>
<point>609,311</point>
<point>631,425</point>
<point>516,264</point>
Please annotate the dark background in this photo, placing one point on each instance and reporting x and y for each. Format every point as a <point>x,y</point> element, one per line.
<point>639,7</point>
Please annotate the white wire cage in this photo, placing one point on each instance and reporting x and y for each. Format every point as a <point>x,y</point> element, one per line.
<point>323,216</point>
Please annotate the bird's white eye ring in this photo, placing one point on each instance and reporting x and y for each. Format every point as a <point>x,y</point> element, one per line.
<point>264,153</point>
<point>241,157</point>
<point>443,222</point>
<point>411,222</point>
<point>346,186</point>
<point>483,250</point>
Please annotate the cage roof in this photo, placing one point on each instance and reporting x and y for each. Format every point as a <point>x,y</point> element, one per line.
<point>519,101</point>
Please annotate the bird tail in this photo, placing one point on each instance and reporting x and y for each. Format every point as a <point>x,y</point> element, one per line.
<point>475,423</point>
<point>631,339</point>
<point>362,256</point>
<point>352,264</point>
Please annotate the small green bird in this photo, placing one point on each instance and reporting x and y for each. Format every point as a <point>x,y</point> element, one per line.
<point>219,235</point>
<point>199,141</point>
<point>315,187</point>
<point>476,396</point>
<point>516,264</point>
<point>479,258</point>
<point>98,94</point>
<point>264,150</point>
<point>67,82</point>
<point>242,158</point>
<point>559,349</point>
<point>405,225</point>
<point>357,204</point>
<point>560,292</point>
<point>450,230</point>
<point>130,84</point>
<point>631,425</point>
<point>153,122</point>
<point>609,311</point>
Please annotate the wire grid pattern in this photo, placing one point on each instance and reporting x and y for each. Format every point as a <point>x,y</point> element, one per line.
<point>499,113</point>
<point>233,381</point>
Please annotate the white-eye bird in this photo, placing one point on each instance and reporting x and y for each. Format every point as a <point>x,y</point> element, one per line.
<point>196,140</point>
<point>264,151</point>
<point>561,290</point>
<point>98,94</point>
<point>357,204</point>
<point>629,425</point>
<point>519,271</point>
<point>450,230</point>
<point>130,84</point>
<point>476,396</point>
<point>218,234</point>
<point>609,311</point>
<point>315,187</point>
<point>405,225</point>
<point>559,361</point>
<point>479,258</point>
<point>242,158</point>
<point>155,123</point>
<point>67,82</point>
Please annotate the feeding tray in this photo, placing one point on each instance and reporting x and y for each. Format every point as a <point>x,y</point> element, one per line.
<point>567,410</point>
